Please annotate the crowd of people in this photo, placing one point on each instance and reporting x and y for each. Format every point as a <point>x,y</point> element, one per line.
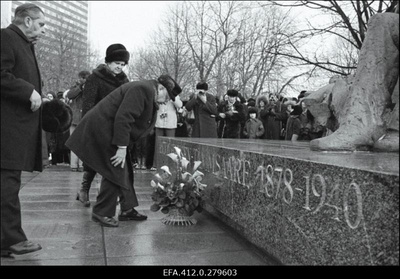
<point>203,115</point>
<point>115,124</point>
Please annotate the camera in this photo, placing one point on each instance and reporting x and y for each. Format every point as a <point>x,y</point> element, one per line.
<point>163,115</point>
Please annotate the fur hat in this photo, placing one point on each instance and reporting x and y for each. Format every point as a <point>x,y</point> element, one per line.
<point>297,110</point>
<point>251,102</point>
<point>56,116</point>
<point>232,93</point>
<point>263,98</point>
<point>202,86</point>
<point>170,84</point>
<point>117,52</point>
<point>290,101</point>
<point>252,110</point>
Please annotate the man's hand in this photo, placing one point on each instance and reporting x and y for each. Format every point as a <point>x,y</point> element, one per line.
<point>36,100</point>
<point>119,157</point>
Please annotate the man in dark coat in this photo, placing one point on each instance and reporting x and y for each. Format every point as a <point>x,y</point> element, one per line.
<point>231,114</point>
<point>21,130</point>
<point>102,138</point>
<point>205,110</point>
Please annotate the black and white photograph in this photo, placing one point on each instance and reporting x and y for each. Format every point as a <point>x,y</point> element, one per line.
<point>200,138</point>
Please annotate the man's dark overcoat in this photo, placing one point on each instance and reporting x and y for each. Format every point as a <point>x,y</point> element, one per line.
<point>205,125</point>
<point>121,118</point>
<point>21,129</point>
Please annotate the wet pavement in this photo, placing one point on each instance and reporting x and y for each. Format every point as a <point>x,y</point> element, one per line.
<point>52,217</point>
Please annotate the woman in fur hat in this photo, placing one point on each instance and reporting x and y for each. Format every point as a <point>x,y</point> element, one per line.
<point>103,137</point>
<point>104,79</point>
<point>231,114</point>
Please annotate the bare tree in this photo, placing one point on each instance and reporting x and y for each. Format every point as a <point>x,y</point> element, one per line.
<point>61,56</point>
<point>210,29</point>
<point>168,54</point>
<point>349,21</point>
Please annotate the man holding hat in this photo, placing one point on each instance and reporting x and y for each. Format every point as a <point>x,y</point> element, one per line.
<point>21,128</point>
<point>102,139</point>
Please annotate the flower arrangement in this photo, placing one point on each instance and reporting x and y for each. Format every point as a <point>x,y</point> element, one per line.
<point>182,192</point>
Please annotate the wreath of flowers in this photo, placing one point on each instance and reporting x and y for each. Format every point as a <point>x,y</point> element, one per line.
<point>184,192</point>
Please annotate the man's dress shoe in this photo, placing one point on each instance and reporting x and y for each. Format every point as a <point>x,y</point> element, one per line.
<point>131,215</point>
<point>23,247</point>
<point>104,221</point>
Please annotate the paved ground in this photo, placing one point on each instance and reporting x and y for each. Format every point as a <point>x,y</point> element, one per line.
<point>52,217</point>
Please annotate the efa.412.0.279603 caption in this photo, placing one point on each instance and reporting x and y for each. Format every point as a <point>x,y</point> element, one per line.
<point>200,272</point>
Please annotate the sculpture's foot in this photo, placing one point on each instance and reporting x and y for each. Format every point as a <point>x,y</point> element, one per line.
<point>388,142</point>
<point>344,139</point>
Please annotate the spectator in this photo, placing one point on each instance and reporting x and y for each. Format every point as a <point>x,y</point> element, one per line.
<point>251,103</point>
<point>182,126</point>
<point>74,96</point>
<point>104,79</point>
<point>231,114</point>
<point>205,111</point>
<point>167,119</point>
<point>21,127</point>
<point>261,104</point>
<point>59,152</point>
<point>139,153</point>
<point>276,115</point>
<point>293,125</point>
<point>253,128</point>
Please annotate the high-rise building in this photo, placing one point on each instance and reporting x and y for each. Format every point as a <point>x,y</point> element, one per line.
<point>66,43</point>
<point>72,16</point>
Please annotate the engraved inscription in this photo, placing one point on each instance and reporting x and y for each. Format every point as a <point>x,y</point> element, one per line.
<point>343,203</point>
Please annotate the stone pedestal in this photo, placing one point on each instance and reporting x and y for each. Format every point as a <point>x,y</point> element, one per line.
<point>302,207</point>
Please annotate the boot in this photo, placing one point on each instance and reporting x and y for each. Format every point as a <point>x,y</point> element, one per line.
<point>83,195</point>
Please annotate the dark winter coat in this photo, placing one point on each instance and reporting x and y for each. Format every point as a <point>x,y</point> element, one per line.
<point>274,116</point>
<point>120,119</point>
<point>98,85</point>
<point>230,126</point>
<point>21,129</point>
<point>205,125</point>
<point>75,102</point>
<point>293,127</point>
<point>253,129</point>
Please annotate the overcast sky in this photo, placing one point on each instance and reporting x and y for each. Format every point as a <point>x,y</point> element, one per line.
<point>125,22</point>
<point>131,22</point>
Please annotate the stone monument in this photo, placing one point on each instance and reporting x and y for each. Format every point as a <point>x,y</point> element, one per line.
<point>363,111</point>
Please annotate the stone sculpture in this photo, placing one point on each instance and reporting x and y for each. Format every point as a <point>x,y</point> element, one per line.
<point>363,111</point>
